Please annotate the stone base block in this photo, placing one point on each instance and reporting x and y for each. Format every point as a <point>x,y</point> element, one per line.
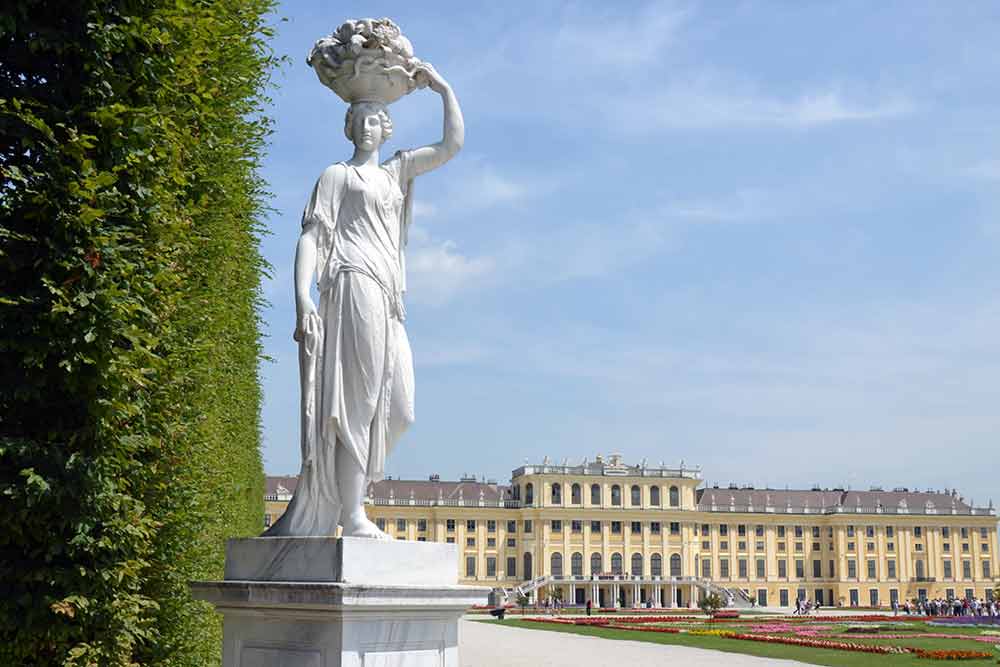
<point>279,612</point>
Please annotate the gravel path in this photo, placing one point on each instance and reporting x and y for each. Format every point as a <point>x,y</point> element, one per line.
<point>495,645</point>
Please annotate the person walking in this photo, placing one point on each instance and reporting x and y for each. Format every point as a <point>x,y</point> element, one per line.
<point>589,605</point>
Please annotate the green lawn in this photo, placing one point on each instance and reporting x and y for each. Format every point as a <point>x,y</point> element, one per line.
<point>815,656</point>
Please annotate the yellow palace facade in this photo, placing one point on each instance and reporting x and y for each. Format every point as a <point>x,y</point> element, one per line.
<point>637,535</point>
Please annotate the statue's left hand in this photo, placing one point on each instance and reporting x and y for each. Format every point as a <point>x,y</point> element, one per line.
<point>426,73</point>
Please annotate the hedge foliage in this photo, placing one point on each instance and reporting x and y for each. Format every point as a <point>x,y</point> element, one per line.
<point>131,135</point>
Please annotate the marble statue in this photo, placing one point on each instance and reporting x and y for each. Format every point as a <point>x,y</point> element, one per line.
<point>356,371</point>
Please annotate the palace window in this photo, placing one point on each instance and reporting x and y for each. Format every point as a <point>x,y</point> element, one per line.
<point>470,566</point>
<point>741,545</point>
<point>511,542</point>
<point>800,569</point>
<point>706,545</point>
<point>616,527</point>
<point>816,532</point>
<point>798,546</point>
<point>759,531</point>
<point>556,525</point>
<point>946,547</point>
<point>706,568</point>
<point>595,494</point>
<point>965,547</point>
<point>636,565</point>
<point>817,568</point>
<point>815,546</point>
<point>832,568</point>
<point>470,541</point>
<point>576,526</point>
<point>723,530</point>
<point>760,565</point>
<point>759,546</point>
<point>918,547</point>
<point>421,525</point>
<point>470,524</point>
<point>798,531</point>
<point>870,546</point>
<point>654,527</point>
<point>595,563</point>
<point>783,568</point>
<point>450,540</point>
<point>616,563</point>
<point>947,569</point>
<point>491,526</point>
<point>675,528</point>
<point>576,564</point>
<point>576,496</point>
<point>967,569</point>
<point>555,563</point>
<point>781,546</point>
<point>654,496</point>
<point>636,496</point>
<point>511,566</point>
<point>675,496</point>
<point>965,533</point>
<point>724,567</point>
<point>556,494</point>
<point>450,525</point>
<point>984,533</point>
<point>724,544</point>
<point>527,525</point>
<point>918,531</point>
<point>850,546</point>
<point>741,566</point>
<point>986,569</point>
<point>529,493</point>
<point>871,568</point>
<point>706,530</point>
<point>400,525</point>
<point>380,524</point>
<point>491,566</point>
<point>741,530</point>
<point>890,531</point>
<point>781,531</point>
<point>870,531</point>
<point>656,565</point>
<point>512,526</point>
<point>918,569</point>
<point>491,542</point>
<point>850,531</point>
<point>421,539</point>
<point>616,495</point>
<point>595,526</point>
<point>675,565</point>
<point>890,566</point>
<point>527,565</point>
<point>636,527</point>
<point>852,569</point>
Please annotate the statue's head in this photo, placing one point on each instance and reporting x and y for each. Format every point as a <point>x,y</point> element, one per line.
<point>368,125</point>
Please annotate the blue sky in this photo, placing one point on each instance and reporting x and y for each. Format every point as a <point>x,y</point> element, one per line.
<point>763,238</point>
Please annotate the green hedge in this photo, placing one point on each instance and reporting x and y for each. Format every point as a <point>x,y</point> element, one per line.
<point>131,135</point>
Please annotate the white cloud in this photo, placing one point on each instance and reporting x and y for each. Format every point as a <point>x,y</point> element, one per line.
<point>711,102</point>
<point>437,271</point>
<point>747,205</point>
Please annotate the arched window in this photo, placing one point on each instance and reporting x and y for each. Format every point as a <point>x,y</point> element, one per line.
<point>654,496</point>
<point>576,495</point>
<point>636,495</point>
<point>616,563</point>
<point>556,564</point>
<point>595,494</point>
<point>529,493</point>
<point>616,495</point>
<point>556,494</point>
<point>675,496</point>
<point>527,565</point>
<point>595,563</point>
<point>675,565</point>
<point>576,563</point>
<point>656,565</point>
<point>637,565</point>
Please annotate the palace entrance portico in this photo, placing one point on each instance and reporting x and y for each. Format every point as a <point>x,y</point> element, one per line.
<point>609,590</point>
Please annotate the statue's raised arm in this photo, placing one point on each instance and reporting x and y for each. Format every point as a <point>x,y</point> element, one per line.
<point>431,157</point>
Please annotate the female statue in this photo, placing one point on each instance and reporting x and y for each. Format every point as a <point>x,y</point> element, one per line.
<point>354,356</point>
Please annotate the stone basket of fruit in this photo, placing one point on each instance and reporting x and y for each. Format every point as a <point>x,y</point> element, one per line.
<point>368,60</point>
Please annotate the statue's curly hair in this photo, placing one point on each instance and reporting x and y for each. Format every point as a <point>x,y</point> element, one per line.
<point>383,115</point>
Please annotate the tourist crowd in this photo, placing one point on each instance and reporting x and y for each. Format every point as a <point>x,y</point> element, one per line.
<point>949,607</point>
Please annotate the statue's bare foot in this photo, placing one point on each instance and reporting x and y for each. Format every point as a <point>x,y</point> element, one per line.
<point>362,527</point>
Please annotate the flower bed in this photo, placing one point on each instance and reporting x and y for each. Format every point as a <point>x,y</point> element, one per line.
<point>810,643</point>
<point>643,628</point>
<point>964,620</point>
<point>951,655</point>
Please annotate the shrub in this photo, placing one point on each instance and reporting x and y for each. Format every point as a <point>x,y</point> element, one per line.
<point>130,209</point>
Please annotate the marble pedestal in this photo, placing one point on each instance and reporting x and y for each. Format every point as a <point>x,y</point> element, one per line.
<point>339,602</point>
